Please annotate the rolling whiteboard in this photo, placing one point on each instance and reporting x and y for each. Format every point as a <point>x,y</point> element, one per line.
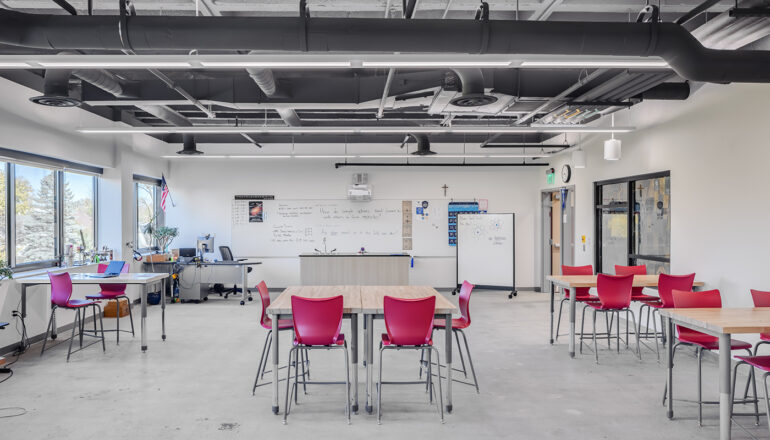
<point>292,227</point>
<point>485,250</point>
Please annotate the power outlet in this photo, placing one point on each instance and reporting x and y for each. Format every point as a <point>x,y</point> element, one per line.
<point>15,313</point>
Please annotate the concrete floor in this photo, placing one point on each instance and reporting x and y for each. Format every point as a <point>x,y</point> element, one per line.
<point>197,385</point>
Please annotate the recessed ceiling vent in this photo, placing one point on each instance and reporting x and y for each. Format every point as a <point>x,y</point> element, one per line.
<point>189,147</point>
<point>473,100</point>
<point>472,89</point>
<point>56,91</point>
<point>55,101</point>
<point>423,145</point>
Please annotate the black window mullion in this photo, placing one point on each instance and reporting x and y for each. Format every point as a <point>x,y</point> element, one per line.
<point>11,213</point>
<point>630,221</point>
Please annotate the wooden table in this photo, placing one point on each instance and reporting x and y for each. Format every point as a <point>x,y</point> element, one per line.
<point>573,281</point>
<point>143,279</point>
<point>369,302</point>
<point>722,323</point>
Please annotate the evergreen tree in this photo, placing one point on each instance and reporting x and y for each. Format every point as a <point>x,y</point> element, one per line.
<point>36,230</point>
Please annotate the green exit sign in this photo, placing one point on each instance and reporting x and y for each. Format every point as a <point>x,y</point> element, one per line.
<point>550,178</point>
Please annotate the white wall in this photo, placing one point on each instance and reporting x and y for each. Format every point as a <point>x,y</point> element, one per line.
<point>203,191</point>
<point>51,132</point>
<point>716,146</point>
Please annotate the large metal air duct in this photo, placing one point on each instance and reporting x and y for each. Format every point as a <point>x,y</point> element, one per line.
<point>669,41</point>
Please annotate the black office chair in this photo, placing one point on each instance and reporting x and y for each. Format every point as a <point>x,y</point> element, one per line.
<point>227,255</point>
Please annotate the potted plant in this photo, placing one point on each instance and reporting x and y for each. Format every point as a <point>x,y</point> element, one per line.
<point>164,235</point>
<point>5,271</point>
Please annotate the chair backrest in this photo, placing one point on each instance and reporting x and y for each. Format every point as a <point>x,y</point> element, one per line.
<point>761,298</point>
<point>410,321</point>
<point>317,321</point>
<point>684,299</point>
<point>264,297</point>
<point>633,270</point>
<point>578,270</point>
<point>614,290</point>
<point>227,254</point>
<point>464,300</point>
<point>668,283</point>
<point>115,289</point>
<point>61,288</point>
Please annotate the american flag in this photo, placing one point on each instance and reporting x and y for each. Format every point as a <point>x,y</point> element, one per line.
<point>164,193</point>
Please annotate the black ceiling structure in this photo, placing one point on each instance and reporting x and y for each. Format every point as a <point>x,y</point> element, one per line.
<point>702,41</point>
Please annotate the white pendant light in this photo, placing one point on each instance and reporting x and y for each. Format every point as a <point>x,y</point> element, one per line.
<point>579,158</point>
<point>612,147</point>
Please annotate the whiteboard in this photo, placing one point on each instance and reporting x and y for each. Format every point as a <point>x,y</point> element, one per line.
<point>485,250</point>
<point>292,227</point>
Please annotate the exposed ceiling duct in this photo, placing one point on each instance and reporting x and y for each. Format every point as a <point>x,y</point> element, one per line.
<point>673,43</point>
<point>189,147</point>
<point>56,90</point>
<point>423,145</point>
<point>472,88</point>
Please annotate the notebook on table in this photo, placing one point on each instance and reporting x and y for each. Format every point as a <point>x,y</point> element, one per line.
<point>113,270</point>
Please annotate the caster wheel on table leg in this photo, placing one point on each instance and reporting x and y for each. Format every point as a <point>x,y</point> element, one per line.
<point>242,303</point>
<point>53,336</point>
<point>251,299</point>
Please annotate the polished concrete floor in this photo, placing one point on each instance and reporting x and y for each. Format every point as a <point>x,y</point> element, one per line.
<point>197,385</point>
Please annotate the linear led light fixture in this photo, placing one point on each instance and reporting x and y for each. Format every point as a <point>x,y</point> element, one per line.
<point>116,64</point>
<point>362,156</point>
<point>597,63</point>
<point>275,64</point>
<point>426,64</point>
<point>14,65</point>
<point>357,130</point>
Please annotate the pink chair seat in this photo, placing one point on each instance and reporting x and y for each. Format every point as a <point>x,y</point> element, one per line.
<point>105,295</point>
<point>585,298</point>
<point>600,306</point>
<point>761,362</point>
<point>764,336</point>
<point>387,341</point>
<point>339,341</point>
<point>643,297</point>
<point>458,323</point>
<point>708,342</point>
<point>74,303</point>
<point>283,324</point>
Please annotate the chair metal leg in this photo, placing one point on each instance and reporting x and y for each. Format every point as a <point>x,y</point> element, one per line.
<point>379,387</point>
<point>117,319</point>
<point>767,398</point>
<point>429,377</point>
<point>617,329</point>
<point>262,362</point>
<point>460,350</point>
<point>347,383</point>
<point>699,353</point>
<point>269,342</point>
<point>756,396</point>
<point>626,327</point>
<point>440,392</point>
<point>101,324</point>
<point>75,323</point>
<point>130,315</point>
<point>609,329</point>
<point>288,381</point>
<point>303,355</point>
<point>422,359</point>
<point>655,329</point>
<point>732,390</point>
<point>665,388</point>
<point>582,324</point>
<point>596,349</point>
<point>48,329</point>
<point>470,361</point>
<point>296,376</point>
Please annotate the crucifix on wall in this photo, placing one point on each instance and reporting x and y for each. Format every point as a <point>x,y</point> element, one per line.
<point>445,188</point>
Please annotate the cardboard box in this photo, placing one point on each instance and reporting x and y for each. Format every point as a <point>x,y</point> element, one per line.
<point>109,308</point>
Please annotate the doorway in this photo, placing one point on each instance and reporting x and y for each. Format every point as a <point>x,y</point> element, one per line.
<point>558,231</point>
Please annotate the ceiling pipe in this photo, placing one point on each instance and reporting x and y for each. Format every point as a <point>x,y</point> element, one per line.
<point>683,52</point>
<point>667,91</point>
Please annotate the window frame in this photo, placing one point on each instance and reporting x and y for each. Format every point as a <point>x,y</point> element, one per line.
<point>158,214</point>
<point>629,204</point>
<point>10,211</point>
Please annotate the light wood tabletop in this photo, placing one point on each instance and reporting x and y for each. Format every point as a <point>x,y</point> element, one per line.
<point>590,281</point>
<point>373,297</point>
<point>351,297</point>
<point>723,321</point>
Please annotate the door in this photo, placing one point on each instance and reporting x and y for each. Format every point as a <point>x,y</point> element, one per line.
<point>555,234</point>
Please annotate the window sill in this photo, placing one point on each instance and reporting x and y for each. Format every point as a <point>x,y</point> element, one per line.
<point>35,272</point>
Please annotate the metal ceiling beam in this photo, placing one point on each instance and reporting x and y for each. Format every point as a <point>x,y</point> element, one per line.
<point>545,10</point>
<point>66,6</point>
<point>696,11</point>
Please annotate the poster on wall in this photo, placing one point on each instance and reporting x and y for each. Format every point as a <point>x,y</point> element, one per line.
<point>255,212</point>
<point>454,209</point>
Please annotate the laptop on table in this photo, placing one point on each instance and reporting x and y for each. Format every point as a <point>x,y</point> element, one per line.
<point>113,270</point>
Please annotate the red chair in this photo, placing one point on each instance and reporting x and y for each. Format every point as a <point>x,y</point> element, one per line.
<point>267,323</point>
<point>114,292</point>
<point>614,297</point>
<point>409,323</point>
<point>761,299</point>
<point>458,325</point>
<point>666,284</point>
<point>701,341</point>
<point>582,294</point>
<point>754,362</point>
<point>61,297</point>
<point>636,292</point>
<point>317,325</point>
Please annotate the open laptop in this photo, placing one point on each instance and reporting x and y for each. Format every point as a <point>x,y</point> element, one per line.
<point>113,270</point>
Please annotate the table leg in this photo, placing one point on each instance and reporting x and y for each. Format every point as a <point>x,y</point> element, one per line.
<point>354,358</point>
<point>369,359</point>
<point>552,300</point>
<point>724,386</point>
<point>448,356</point>
<point>144,317</point>
<point>275,364</point>
<point>572,324</point>
<point>163,307</point>
<point>670,366</point>
<point>24,315</point>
